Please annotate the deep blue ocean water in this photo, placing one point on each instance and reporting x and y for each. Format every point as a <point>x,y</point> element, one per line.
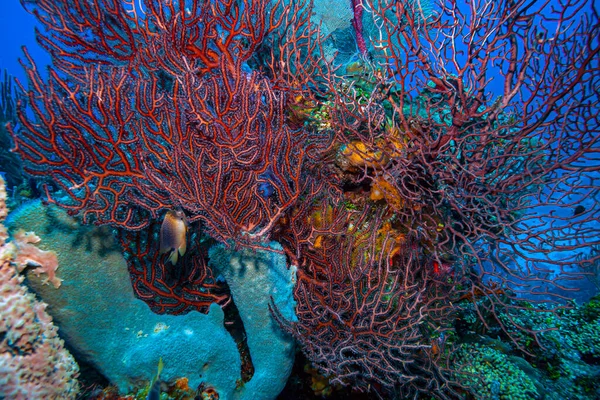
<point>17,30</point>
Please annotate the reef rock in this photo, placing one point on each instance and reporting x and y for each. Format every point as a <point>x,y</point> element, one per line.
<point>34,363</point>
<point>105,324</point>
<point>254,277</point>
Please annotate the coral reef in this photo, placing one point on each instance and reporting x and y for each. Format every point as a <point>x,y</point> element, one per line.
<point>462,195</point>
<point>561,359</point>
<point>215,131</point>
<point>34,363</point>
<point>108,327</point>
<point>365,303</point>
<point>447,175</point>
<point>489,374</point>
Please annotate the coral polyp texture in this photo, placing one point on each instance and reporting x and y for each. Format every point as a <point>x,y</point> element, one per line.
<point>34,363</point>
<point>451,168</point>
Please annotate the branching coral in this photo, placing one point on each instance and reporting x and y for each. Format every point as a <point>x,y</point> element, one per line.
<point>405,190</point>
<point>368,305</point>
<point>153,108</point>
<point>167,113</point>
<point>487,177</point>
<point>481,181</point>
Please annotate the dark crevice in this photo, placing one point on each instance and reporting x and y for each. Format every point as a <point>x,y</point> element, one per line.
<point>235,326</point>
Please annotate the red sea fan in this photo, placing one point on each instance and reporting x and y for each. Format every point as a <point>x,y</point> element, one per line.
<point>147,111</point>
<point>369,305</point>
<point>480,123</point>
<point>474,135</point>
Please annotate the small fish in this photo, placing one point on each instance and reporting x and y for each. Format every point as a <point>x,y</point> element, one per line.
<point>173,235</point>
<point>154,391</point>
<point>578,210</point>
<point>438,344</point>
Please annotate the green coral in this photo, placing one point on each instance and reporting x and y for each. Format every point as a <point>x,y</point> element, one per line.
<point>590,311</point>
<point>586,338</point>
<point>580,330</point>
<point>320,117</point>
<point>564,361</point>
<point>491,375</point>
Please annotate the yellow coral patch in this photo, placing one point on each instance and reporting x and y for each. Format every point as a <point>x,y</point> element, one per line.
<point>376,193</point>
<point>320,218</point>
<point>318,242</point>
<point>182,384</point>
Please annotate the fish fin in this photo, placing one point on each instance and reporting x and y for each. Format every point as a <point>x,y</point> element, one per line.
<point>182,248</point>
<point>174,256</point>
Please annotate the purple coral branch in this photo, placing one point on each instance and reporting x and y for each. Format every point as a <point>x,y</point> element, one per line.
<point>357,9</point>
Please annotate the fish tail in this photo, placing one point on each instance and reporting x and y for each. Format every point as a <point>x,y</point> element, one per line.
<point>174,256</point>
<point>160,368</point>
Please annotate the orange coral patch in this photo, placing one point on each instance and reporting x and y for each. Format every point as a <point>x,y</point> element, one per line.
<point>382,189</point>
<point>359,154</point>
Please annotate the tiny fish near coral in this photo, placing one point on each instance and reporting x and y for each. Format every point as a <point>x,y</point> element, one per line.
<point>173,235</point>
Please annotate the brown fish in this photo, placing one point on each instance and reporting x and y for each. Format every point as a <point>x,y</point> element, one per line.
<point>173,234</point>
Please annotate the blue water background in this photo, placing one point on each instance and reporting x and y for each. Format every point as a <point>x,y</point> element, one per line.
<point>17,30</point>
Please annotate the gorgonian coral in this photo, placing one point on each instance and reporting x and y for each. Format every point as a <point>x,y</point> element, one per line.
<point>473,133</point>
<point>456,164</point>
<point>150,107</point>
<point>146,110</point>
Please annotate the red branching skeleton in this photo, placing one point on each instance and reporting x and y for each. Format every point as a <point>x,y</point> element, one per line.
<point>483,182</point>
<point>155,109</point>
<point>367,303</point>
<point>458,165</point>
<point>191,286</point>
